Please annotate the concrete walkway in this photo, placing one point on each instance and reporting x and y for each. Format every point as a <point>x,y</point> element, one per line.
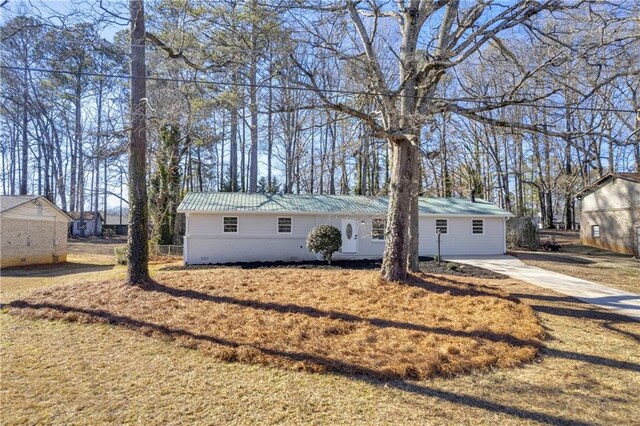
<point>619,301</point>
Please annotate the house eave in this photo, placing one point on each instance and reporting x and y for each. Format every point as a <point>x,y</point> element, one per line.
<point>42,198</point>
<point>366,214</point>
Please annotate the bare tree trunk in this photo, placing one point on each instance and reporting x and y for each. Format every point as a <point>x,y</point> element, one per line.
<point>519,179</point>
<point>253,108</point>
<point>138,248</point>
<point>243,145</point>
<point>637,144</point>
<point>80,151</point>
<point>395,252</point>
<point>221,176</point>
<point>312,164</point>
<point>96,209</point>
<point>332,171</point>
<point>105,189</point>
<point>444,157</point>
<point>25,141</point>
<point>233,145</point>
<point>60,183</point>
<point>270,188</point>
<point>12,163</point>
<point>413,259</point>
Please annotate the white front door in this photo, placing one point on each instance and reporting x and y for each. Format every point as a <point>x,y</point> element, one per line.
<point>349,236</point>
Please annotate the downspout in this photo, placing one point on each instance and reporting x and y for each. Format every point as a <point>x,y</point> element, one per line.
<point>185,243</point>
<point>504,234</point>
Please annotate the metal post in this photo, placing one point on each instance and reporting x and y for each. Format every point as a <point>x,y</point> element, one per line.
<point>438,232</point>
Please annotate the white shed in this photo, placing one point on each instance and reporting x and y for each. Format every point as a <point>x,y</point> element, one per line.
<point>238,227</point>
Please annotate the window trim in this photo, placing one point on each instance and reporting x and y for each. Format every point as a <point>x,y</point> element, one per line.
<point>473,226</point>
<point>435,230</point>
<point>593,227</point>
<point>237,225</point>
<point>384,227</point>
<point>290,225</point>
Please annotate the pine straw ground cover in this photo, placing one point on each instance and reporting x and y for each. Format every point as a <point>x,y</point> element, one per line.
<point>341,321</point>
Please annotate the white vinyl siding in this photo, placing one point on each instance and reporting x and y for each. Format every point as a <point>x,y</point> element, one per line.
<point>442,225</point>
<point>377,229</point>
<point>459,241</point>
<point>477,227</point>
<point>595,231</point>
<point>230,224</point>
<point>206,241</point>
<point>285,225</point>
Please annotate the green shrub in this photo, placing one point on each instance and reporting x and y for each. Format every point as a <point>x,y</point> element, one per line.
<point>108,232</point>
<point>121,255</point>
<point>452,266</point>
<point>325,239</point>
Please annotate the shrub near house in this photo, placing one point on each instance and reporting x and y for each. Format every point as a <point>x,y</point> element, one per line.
<point>325,239</point>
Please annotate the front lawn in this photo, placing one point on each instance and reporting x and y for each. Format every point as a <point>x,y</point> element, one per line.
<point>324,320</point>
<point>61,372</point>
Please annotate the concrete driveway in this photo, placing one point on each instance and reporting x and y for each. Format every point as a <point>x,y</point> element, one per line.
<point>619,301</point>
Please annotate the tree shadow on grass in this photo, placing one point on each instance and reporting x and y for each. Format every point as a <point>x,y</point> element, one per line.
<point>612,326</point>
<point>312,312</point>
<point>608,320</point>
<point>343,316</point>
<point>456,288</point>
<point>338,367</point>
<point>574,312</point>
<point>54,270</point>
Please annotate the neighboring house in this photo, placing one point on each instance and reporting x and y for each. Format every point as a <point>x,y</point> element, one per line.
<point>236,227</point>
<point>119,224</point>
<point>610,215</point>
<point>33,231</point>
<point>87,223</point>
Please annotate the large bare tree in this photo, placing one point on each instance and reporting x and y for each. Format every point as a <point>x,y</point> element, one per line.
<point>402,51</point>
<point>138,248</point>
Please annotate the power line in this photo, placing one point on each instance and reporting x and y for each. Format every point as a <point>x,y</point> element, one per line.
<point>308,89</point>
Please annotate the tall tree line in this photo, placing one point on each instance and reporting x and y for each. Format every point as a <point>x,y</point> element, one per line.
<point>301,97</point>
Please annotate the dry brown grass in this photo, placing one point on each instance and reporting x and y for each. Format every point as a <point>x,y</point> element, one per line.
<point>342,321</point>
<point>58,372</point>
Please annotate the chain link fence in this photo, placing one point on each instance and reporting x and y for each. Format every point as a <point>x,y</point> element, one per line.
<point>166,250</point>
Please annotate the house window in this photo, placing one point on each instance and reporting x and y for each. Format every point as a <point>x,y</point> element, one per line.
<point>284,225</point>
<point>477,226</point>
<point>377,229</point>
<point>595,231</point>
<point>230,224</point>
<point>442,225</point>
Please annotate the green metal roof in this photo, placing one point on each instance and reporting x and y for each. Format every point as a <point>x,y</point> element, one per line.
<point>327,204</point>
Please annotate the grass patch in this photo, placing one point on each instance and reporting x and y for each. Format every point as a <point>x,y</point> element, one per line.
<point>59,372</point>
<point>341,321</point>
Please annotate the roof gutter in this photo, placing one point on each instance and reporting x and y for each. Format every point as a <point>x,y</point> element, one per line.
<point>344,213</point>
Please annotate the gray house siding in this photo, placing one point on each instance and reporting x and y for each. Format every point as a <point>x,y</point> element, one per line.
<point>615,210</point>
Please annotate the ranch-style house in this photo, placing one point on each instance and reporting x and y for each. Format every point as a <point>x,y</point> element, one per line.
<point>238,227</point>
